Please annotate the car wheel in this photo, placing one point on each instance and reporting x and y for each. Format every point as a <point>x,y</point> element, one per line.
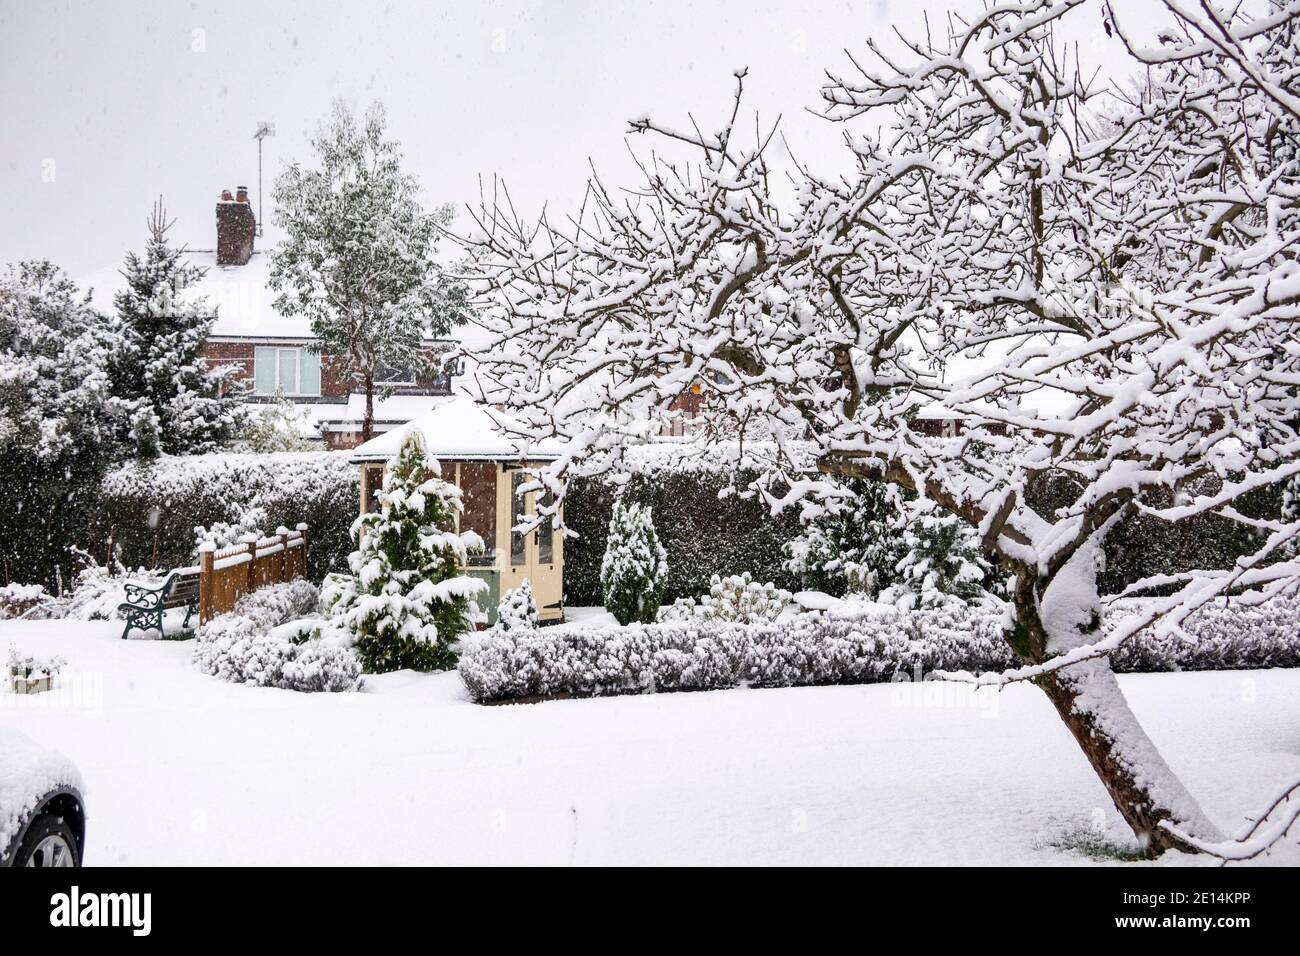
<point>48,842</point>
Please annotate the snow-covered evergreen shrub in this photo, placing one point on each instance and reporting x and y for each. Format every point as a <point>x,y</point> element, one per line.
<point>246,521</point>
<point>699,655</point>
<point>517,609</point>
<point>851,542</point>
<point>635,566</point>
<point>274,638</point>
<point>737,597</point>
<point>1237,634</point>
<point>277,426</point>
<point>407,600</point>
<point>635,659</point>
<point>941,564</point>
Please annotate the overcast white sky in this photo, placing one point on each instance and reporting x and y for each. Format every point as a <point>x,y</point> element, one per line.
<point>105,106</point>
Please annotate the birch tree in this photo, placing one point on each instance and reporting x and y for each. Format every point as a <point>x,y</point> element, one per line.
<point>1100,285</point>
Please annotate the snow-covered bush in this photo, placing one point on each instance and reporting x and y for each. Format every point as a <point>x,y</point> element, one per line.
<point>97,592</point>
<point>517,609</point>
<point>1237,634</point>
<point>864,643</point>
<point>501,665</point>
<point>851,541</point>
<point>941,563</point>
<point>18,600</point>
<point>246,520</point>
<point>408,600</point>
<point>737,597</point>
<point>700,655</point>
<point>277,426</point>
<point>635,565</point>
<point>274,638</point>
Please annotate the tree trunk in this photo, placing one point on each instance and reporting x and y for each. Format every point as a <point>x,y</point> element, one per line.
<point>1087,697</point>
<point>1145,791</point>
<point>368,423</point>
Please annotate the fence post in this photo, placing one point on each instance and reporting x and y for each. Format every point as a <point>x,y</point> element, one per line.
<point>283,532</point>
<point>302,565</point>
<point>252,563</point>
<point>205,583</point>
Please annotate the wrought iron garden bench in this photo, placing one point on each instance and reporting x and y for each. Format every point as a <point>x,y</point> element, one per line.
<point>144,606</point>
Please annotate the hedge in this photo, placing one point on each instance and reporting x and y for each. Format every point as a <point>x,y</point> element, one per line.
<point>150,510</point>
<point>878,644</point>
<point>704,533</point>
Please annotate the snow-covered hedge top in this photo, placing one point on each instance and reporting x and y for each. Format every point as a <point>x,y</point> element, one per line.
<point>27,773</point>
<point>694,457</point>
<point>855,642</point>
<point>300,475</point>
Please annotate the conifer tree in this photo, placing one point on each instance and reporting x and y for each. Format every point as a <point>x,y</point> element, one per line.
<point>407,599</point>
<point>635,566</point>
<point>167,398</point>
<point>517,610</point>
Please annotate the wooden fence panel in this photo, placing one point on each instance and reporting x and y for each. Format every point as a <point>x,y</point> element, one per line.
<point>227,575</point>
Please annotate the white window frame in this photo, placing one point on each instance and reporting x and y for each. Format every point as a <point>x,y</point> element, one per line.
<point>275,352</point>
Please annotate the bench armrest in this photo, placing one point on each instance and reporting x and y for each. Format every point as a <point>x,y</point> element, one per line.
<point>145,596</point>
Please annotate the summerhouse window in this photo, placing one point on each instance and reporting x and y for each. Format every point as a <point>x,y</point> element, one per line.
<point>546,538</point>
<point>478,487</point>
<point>518,542</point>
<point>293,371</point>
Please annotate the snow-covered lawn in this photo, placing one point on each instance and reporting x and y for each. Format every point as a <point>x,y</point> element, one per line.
<point>182,768</point>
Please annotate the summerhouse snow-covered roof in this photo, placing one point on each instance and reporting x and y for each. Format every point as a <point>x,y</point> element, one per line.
<point>458,430</point>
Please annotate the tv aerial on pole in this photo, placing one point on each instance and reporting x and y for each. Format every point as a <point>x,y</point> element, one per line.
<point>264,129</point>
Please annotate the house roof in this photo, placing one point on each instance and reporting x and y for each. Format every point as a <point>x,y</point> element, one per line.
<point>241,294</point>
<point>458,430</point>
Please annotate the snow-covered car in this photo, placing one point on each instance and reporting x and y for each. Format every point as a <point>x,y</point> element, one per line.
<point>42,814</point>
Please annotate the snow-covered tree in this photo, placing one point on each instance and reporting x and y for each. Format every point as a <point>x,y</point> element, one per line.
<point>941,563</point>
<point>170,401</point>
<point>1107,293</point>
<point>852,539</point>
<point>56,430</point>
<point>635,565</point>
<point>358,255</point>
<point>517,609</point>
<point>274,426</point>
<point>407,598</point>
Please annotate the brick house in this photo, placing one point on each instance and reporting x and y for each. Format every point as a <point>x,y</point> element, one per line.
<point>271,352</point>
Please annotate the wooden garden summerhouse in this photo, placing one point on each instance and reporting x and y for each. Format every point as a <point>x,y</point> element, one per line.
<point>488,467</point>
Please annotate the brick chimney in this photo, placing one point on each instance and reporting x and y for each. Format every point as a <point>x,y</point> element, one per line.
<point>236,227</point>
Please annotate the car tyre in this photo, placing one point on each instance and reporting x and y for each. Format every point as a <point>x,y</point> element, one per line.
<point>49,841</point>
